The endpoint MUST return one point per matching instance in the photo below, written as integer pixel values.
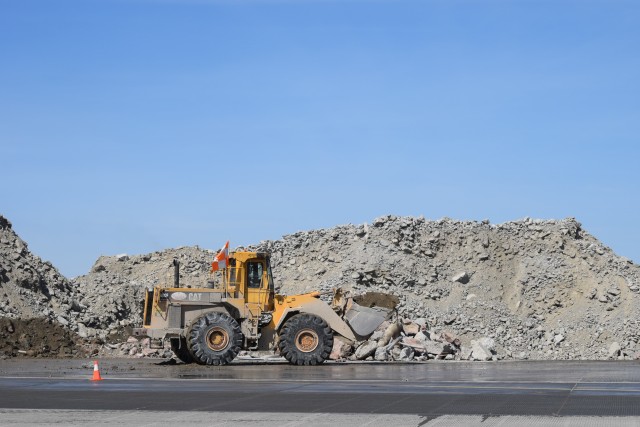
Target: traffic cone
(96, 372)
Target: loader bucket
(368, 311)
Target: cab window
(254, 274)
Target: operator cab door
(258, 284)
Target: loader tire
(306, 339)
(214, 339)
(179, 348)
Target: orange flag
(222, 259)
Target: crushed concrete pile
(31, 288)
(114, 288)
(528, 289)
(537, 289)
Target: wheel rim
(217, 338)
(307, 340)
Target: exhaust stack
(176, 273)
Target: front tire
(214, 339)
(306, 339)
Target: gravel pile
(114, 288)
(528, 289)
(38, 306)
(538, 289)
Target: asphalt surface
(426, 390)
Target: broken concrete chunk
(482, 349)
(433, 348)
(392, 332)
(421, 337)
(406, 354)
(381, 354)
(341, 349)
(614, 350)
(366, 349)
(462, 277)
(410, 328)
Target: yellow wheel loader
(212, 324)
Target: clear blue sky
(137, 125)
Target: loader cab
(250, 274)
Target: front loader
(212, 324)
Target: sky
(131, 126)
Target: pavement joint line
(566, 399)
(234, 380)
(443, 384)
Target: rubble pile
(405, 340)
(527, 289)
(114, 288)
(31, 288)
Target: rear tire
(214, 339)
(306, 339)
(180, 350)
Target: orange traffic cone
(96, 372)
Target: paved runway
(426, 392)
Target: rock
(122, 257)
(62, 321)
(381, 354)
(97, 268)
(433, 348)
(614, 350)
(413, 343)
(377, 335)
(341, 349)
(558, 339)
(424, 324)
(421, 337)
(410, 328)
(378, 222)
(392, 332)
(465, 353)
(406, 354)
(461, 277)
(482, 349)
(450, 338)
(82, 331)
(451, 319)
(366, 349)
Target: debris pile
(114, 288)
(402, 340)
(527, 289)
(38, 305)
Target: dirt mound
(37, 338)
